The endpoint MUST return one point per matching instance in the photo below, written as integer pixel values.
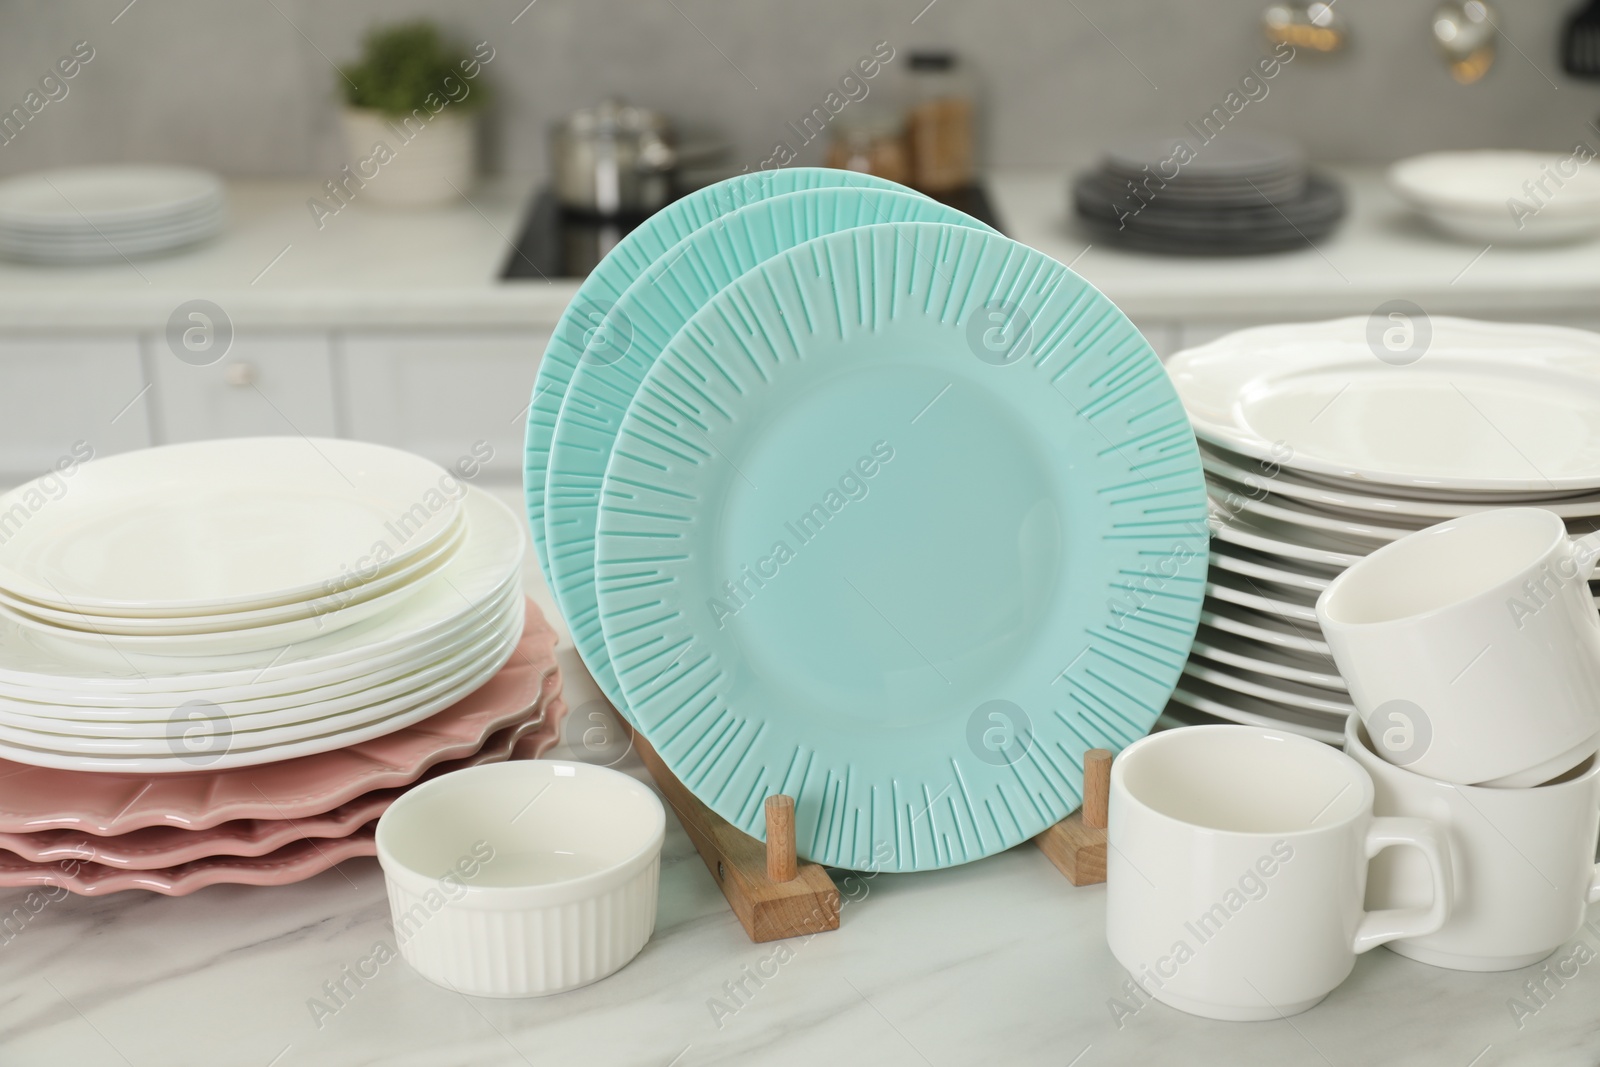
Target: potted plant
(409, 130)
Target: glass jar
(940, 127)
(870, 141)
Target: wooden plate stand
(775, 896)
(1077, 844)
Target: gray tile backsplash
(246, 86)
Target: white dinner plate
(208, 216)
(165, 740)
(1248, 710)
(1257, 657)
(408, 710)
(1452, 404)
(1268, 629)
(1250, 564)
(1260, 596)
(266, 709)
(1275, 538)
(221, 525)
(108, 249)
(323, 615)
(74, 223)
(103, 194)
(311, 713)
(1297, 514)
(1397, 508)
(479, 574)
(1471, 194)
(97, 704)
(1297, 547)
(320, 618)
(1273, 690)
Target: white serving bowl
(522, 879)
(1503, 197)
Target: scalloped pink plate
(41, 798)
(154, 847)
(291, 863)
(304, 855)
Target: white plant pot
(421, 160)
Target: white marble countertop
(996, 962)
(371, 266)
(273, 266)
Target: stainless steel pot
(613, 159)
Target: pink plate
(41, 798)
(291, 863)
(154, 847)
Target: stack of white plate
(229, 603)
(1325, 441)
(104, 214)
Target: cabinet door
(438, 394)
(56, 392)
(266, 385)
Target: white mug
(1472, 648)
(1236, 864)
(1523, 859)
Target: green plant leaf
(404, 65)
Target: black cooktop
(559, 244)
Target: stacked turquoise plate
(846, 496)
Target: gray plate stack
(1236, 194)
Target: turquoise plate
(640, 324)
(577, 327)
(901, 523)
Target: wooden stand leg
(773, 895)
(1077, 844)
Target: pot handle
(1389, 924)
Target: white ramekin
(522, 879)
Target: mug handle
(1594, 878)
(1391, 924)
(1585, 554)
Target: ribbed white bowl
(479, 898)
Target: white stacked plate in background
(1503, 197)
(83, 215)
(231, 603)
(1325, 441)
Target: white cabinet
(440, 393)
(56, 392)
(266, 385)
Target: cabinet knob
(240, 374)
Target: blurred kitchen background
(246, 87)
(421, 324)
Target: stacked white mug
(1472, 653)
